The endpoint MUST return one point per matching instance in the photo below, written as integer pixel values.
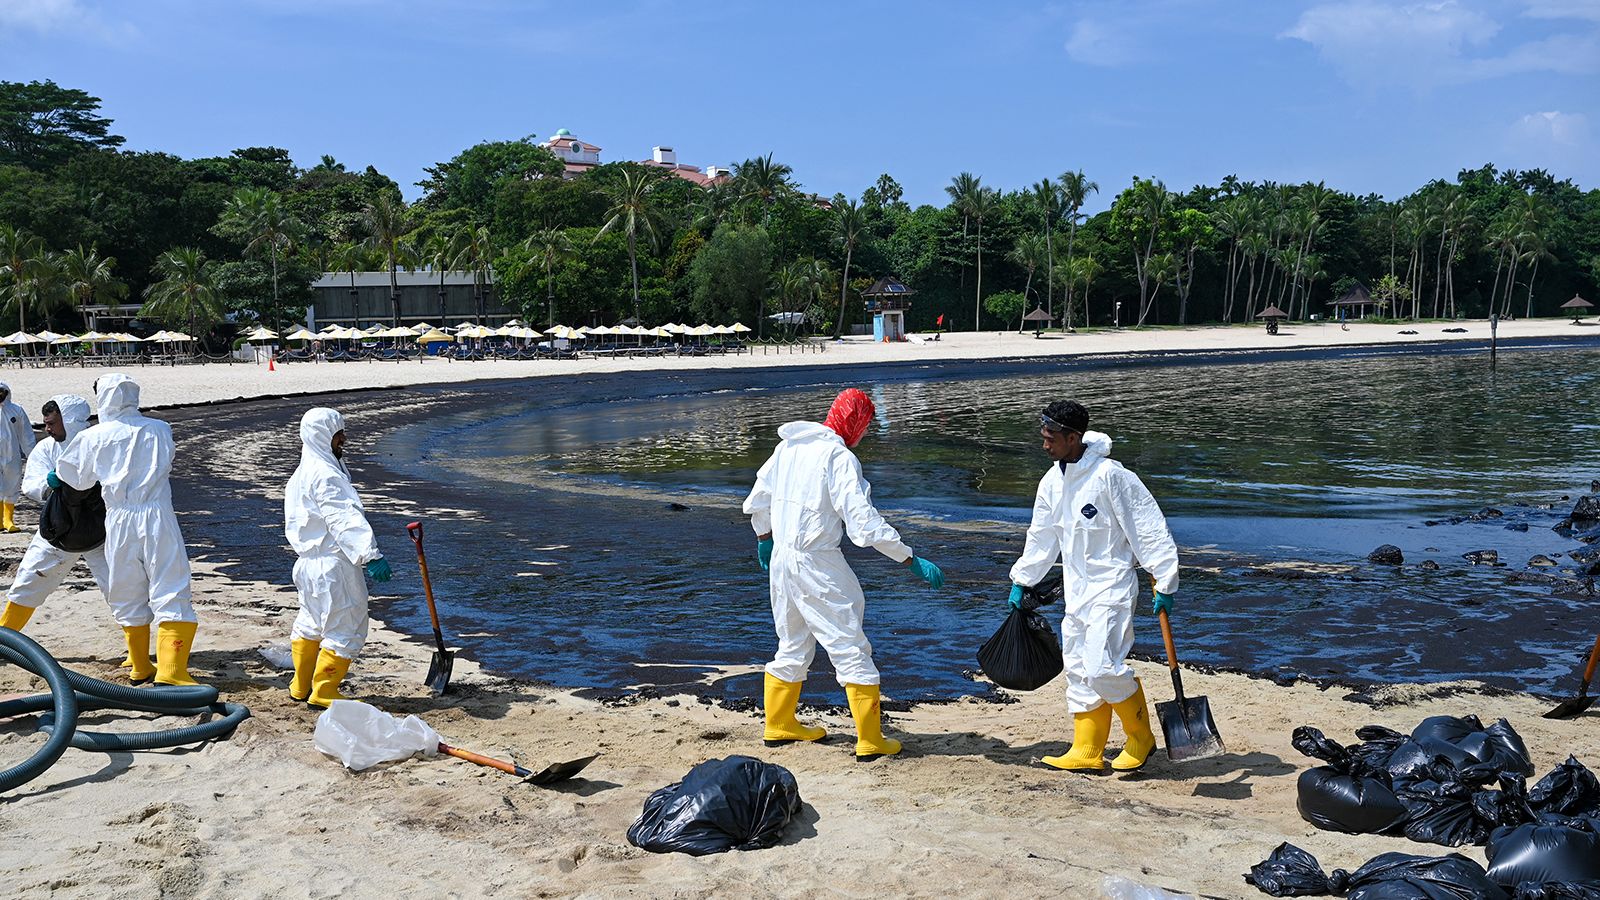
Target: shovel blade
(438, 680)
(1189, 730)
(1570, 709)
(561, 771)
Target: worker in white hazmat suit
(44, 566)
(327, 527)
(16, 441)
(806, 497)
(1097, 519)
(130, 455)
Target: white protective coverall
(327, 526)
(44, 567)
(16, 441)
(1099, 520)
(808, 495)
(130, 455)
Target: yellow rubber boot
(1088, 750)
(1135, 715)
(15, 617)
(174, 640)
(865, 709)
(782, 697)
(137, 637)
(304, 653)
(331, 669)
(8, 518)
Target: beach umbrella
(423, 328)
(433, 336)
(659, 332)
(21, 337)
(304, 335)
(1577, 304)
(526, 333)
(260, 334)
(722, 329)
(47, 336)
(1272, 312)
(788, 318)
(673, 328)
(1038, 315)
(701, 330)
(740, 328)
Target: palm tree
(960, 190)
(1150, 201)
(384, 221)
(351, 257)
(847, 227)
(981, 204)
(43, 286)
(1030, 253)
(476, 255)
(270, 229)
(17, 248)
(713, 204)
(186, 292)
(1047, 196)
(633, 213)
(88, 276)
(1160, 268)
(1082, 271)
(1075, 190)
(443, 250)
(549, 246)
(762, 181)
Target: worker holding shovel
(327, 527)
(1098, 519)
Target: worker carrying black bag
(1025, 653)
(73, 520)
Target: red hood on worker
(850, 415)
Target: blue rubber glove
(1016, 596)
(378, 570)
(53, 481)
(1163, 603)
(929, 572)
(764, 554)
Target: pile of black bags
(738, 803)
(1452, 781)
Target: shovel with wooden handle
(438, 679)
(550, 774)
(1186, 722)
(1569, 709)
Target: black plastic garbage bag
(738, 803)
(1292, 872)
(1540, 853)
(1289, 872)
(1454, 813)
(1377, 745)
(1355, 804)
(1425, 758)
(1024, 655)
(1344, 795)
(1570, 790)
(1498, 745)
(73, 520)
(1558, 890)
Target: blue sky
(1368, 95)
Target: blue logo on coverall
(1089, 511)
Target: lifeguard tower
(887, 300)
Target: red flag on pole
(939, 321)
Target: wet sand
(965, 811)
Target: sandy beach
(164, 386)
(965, 811)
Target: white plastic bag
(1115, 887)
(277, 653)
(361, 735)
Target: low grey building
(364, 299)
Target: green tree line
(195, 241)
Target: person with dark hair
(810, 494)
(44, 566)
(1099, 521)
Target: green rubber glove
(929, 572)
(764, 554)
(1163, 603)
(53, 481)
(1016, 596)
(378, 570)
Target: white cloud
(1423, 45)
(1554, 127)
(46, 16)
(1095, 43)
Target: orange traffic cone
(271, 365)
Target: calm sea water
(1278, 478)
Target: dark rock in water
(1517, 526)
(1387, 555)
(1432, 522)
(1482, 557)
(1594, 486)
(677, 507)
(1584, 554)
(1428, 565)
(1431, 549)
(1541, 561)
(1488, 512)
(1587, 509)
